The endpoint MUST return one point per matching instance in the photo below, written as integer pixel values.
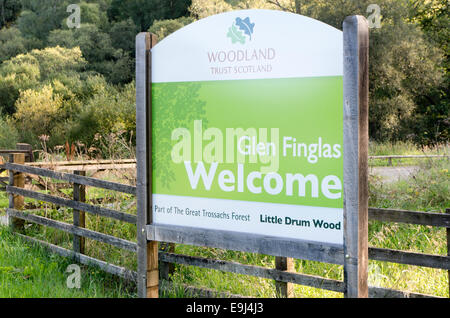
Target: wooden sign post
(147, 280)
(356, 138)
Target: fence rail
(120, 216)
(72, 178)
(390, 157)
(408, 156)
(411, 217)
(83, 259)
(96, 165)
(379, 254)
(72, 229)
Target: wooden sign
(252, 136)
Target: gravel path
(392, 174)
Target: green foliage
(111, 110)
(92, 13)
(409, 75)
(12, 43)
(123, 35)
(9, 135)
(9, 11)
(14, 77)
(204, 8)
(162, 28)
(30, 271)
(98, 50)
(49, 94)
(95, 45)
(431, 122)
(34, 69)
(144, 12)
(39, 17)
(403, 68)
(37, 110)
(434, 18)
(427, 190)
(54, 60)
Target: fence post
(16, 179)
(29, 157)
(283, 289)
(147, 272)
(79, 217)
(356, 138)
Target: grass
(29, 271)
(3, 200)
(428, 190)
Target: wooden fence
(284, 273)
(17, 216)
(25, 149)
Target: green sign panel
(247, 124)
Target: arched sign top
(249, 44)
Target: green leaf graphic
(174, 105)
(235, 35)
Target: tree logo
(240, 30)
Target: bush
(37, 111)
(9, 135)
(110, 112)
(34, 70)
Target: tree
(98, 50)
(39, 17)
(34, 69)
(204, 8)
(123, 35)
(91, 13)
(110, 110)
(11, 43)
(15, 75)
(144, 12)
(95, 44)
(54, 60)
(431, 122)
(9, 135)
(37, 110)
(433, 16)
(162, 28)
(9, 11)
